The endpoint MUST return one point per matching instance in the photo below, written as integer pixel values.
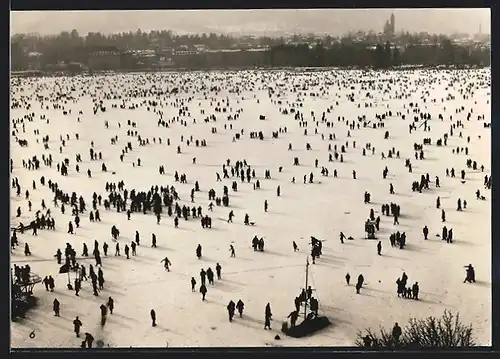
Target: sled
(305, 328)
(251, 223)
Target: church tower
(393, 24)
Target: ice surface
(322, 209)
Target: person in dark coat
(293, 317)
(89, 339)
(203, 276)
(166, 264)
(104, 312)
(218, 270)
(193, 284)
(210, 276)
(359, 284)
(426, 232)
(56, 306)
(77, 324)
(347, 278)
(268, 317)
(295, 246)
(415, 289)
(153, 317)
(230, 310)
(396, 332)
(240, 306)
(111, 305)
(203, 291)
(198, 251)
(379, 248)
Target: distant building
(390, 27)
(34, 61)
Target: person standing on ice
(443, 216)
(268, 316)
(176, 222)
(231, 249)
(230, 310)
(133, 246)
(127, 250)
(425, 231)
(193, 284)
(230, 217)
(203, 291)
(240, 306)
(153, 317)
(360, 282)
(137, 239)
(347, 278)
(265, 205)
(198, 251)
(295, 247)
(77, 324)
(56, 307)
(396, 332)
(210, 276)
(104, 311)
(203, 276)
(117, 249)
(438, 202)
(218, 270)
(153, 241)
(379, 248)
(111, 305)
(293, 318)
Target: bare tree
(445, 332)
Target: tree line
(405, 49)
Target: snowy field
(322, 209)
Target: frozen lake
(321, 209)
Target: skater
(231, 249)
(193, 284)
(379, 248)
(166, 264)
(347, 278)
(295, 247)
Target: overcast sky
(255, 22)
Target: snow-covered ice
(322, 209)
